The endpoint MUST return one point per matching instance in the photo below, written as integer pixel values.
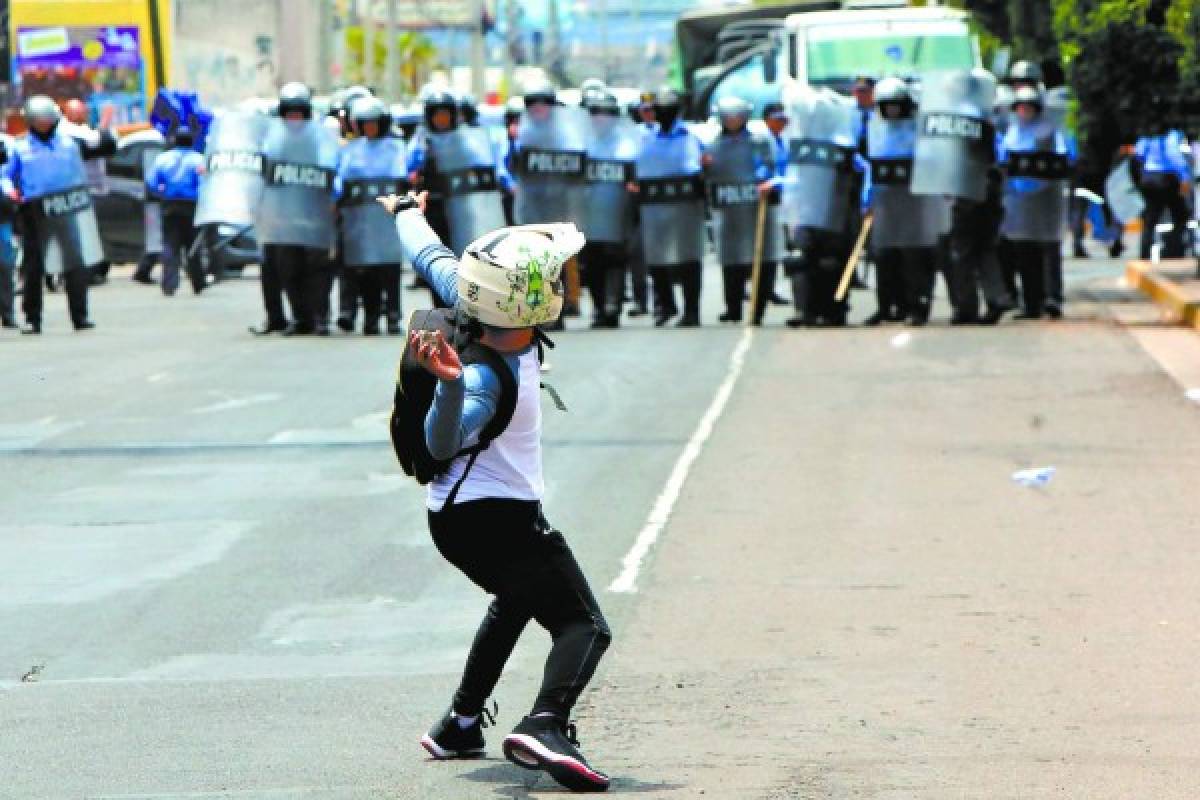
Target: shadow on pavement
(521, 783)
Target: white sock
(465, 722)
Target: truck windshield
(838, 53)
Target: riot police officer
(741, 171)
(295, 220)
(373, 164)
(8, 260)
(512, 121)
(612, 150)
(440, 116)
(1037, 164)
(174, 181)
(45, 175)
(820, 192)
(906, 226)
(1164, 179)
(670, 191)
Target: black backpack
(414, 396)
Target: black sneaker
(448, 739)
(545, 743)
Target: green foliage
(416, 57)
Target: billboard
(100, 65)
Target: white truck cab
(831, 48)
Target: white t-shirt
(511, 467)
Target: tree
(417, 57)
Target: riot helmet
(42, 115)
(295, 98)
(468, 109)
(441, 111)
(733, 113)
(370, 109)
(526, 259)
(602, 102)
(667, 107)
(1025, 73)
(894, 99)
(512, 110)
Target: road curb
(1162, 283)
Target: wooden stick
(756, 268)
(855, 255)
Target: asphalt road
(214, 582)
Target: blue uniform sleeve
(416, 159)
(154, 176)
(431, 259)
(1174, 156)
(461, 409)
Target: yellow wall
(25, 13)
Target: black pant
(815, 275)
(1161, 191)
(507, 549)
(365, 284)
(391, 295)
(974, 267)
(890, 291)
(734, 277)
(911, 272)
(1031, 261)
(33, 268)
(688, 276)
(604, 275)
(178, 235)
(304, 274)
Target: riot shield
(1058, 103)
(1122, 193)
(732, 189)
(902, 218)
(671, 197)
(820, 175)
(612, 151)
(371, 168)
(955, 143)
(464, 162)
(151, 208)
(550, 165)
(1035, 193)
(232, 185)
(67, 230)
(297, 200)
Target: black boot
(664, 295)
(734, 279)
(690, 279)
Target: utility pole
(478, 51)
(327, 33)
(368, 72)
(510, 39)
(554, 42)
(604, 55)
(391, 80)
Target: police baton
(756, 267)
(855, 255)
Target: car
(130, 227)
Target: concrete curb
(1161, 282)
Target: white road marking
(626, 582)
(231, 403)
(901, 340)
(156, 377)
